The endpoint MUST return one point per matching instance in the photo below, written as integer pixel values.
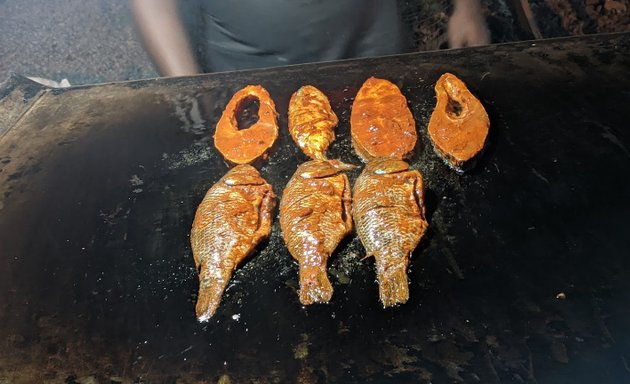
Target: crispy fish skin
(312, 121)
(243, 146)
(315, 215)
(459, 124)
(381, 123)
(389, 216)
(233, 218)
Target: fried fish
(312, 121)
(459, 124)
(389, 216)
(381, 123)
(243, 146)
(233, 218)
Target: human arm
(161, 28)
(467, 26)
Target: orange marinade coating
(459, 125)
(389, 216)
(312, 121)
(381, 123)
(232, 219)
(315, 215)
(243, 146)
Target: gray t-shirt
(242, 34)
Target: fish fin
(346, 204)
(264, 215)
(211, 290)
(314, 285)
(418, 193)
(321, 168)
(393, 287)
(387, 166)
(340, 165)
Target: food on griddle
(233, 218)
(459, 124)
(389, 216)
(315, 215)
(243, 146)
(381, 123)
(312, 121)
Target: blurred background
(93, 41)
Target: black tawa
(523, 276)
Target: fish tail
(314, 285)
(393, 287)
(211, 287)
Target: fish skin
(232, 219)
(312, 121)
(389, 217)
(315, 215)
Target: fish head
(386, 166)
(243, 175)
(316, 169)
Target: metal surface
(99, 184)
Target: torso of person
(266, 33)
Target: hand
(467, 26)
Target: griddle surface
(99, 186)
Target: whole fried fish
(312, 121)
(233, 218)
(315, 215)
(459, 124)
(389, 216)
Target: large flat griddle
(99, 185)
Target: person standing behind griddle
(265, 33)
